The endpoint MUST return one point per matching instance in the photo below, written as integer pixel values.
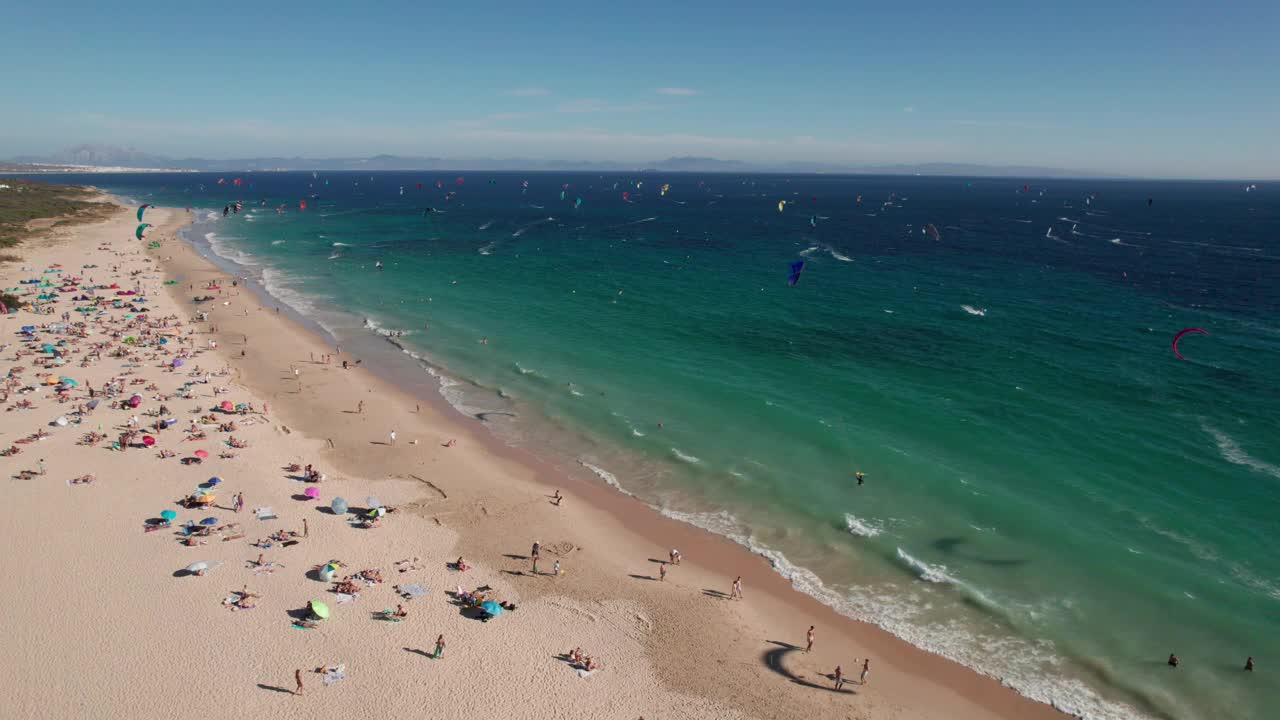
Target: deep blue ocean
(1051, 495)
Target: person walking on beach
(439, 648)
(41, 466)
(866, 670)
(808, 646)
(675, 556)
(238, 505)
(662, 573)
(360, 408)
(736, 592)
(304, 527)
(838, 675)
(555, 568)
(393, 438)
(297, 675)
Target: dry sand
(100, 621)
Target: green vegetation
(24, 202)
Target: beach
(108, 624)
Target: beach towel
(344, 598)
(411, 590)
(335, 674)
(265, 513)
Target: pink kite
(1179, 334)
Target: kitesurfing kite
(1179, 334)
(665, 188)
(138, 233)
(931, 231)
(302, 204)
(782, 204)
(797, 267)
(577, 203)
(142, 210)
(813, 221)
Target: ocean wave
(860, 527)
(487, 249)
(683, 456)
(981, 312)
(278, 242)
(605, 475)
(486, 226)
(226, 251)
(925, 571)
(277, 286)
(1231, 451)
(527, 371)
(1016, 662)
(530, 226)
(339, 244)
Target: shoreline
(643, 522)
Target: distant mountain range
(106, 156)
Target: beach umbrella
(61, 421)
(201, 454)
(177, 362)
(214, 480)
(68, 381)
(373, 501)
(319, 609)
(327, 572)
(135, 401)
(46, 348)
(198, 566)
(148, 440)
(491, 607)
(312, 492)
(168, 514)
(209, 521)
(338, 506)
(226, 405)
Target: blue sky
(1165, 89)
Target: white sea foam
(277, 242)
(488, 249)
(526, 371)
(860, 527)
(683, 456)
(486, 226)
(226, 251)
(925, 571)
(1015, 662)
(338, 244)
(981, 312)
(530, 226)
(838, 256)
(1233, 453)
(212, 216)
(604, 475)
(277, 284)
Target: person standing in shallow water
(1248, 664)
(1173, 660)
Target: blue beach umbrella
(338, 506)
(168, 514)
(209, 521)
(214, 480)
(491, 607)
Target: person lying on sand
(461, 565)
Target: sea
(1050, 494)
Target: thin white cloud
(528, 92)
(909, 109)
(595, 105)
(678, 91)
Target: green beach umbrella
(319, 609)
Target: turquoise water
(1052, 497)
